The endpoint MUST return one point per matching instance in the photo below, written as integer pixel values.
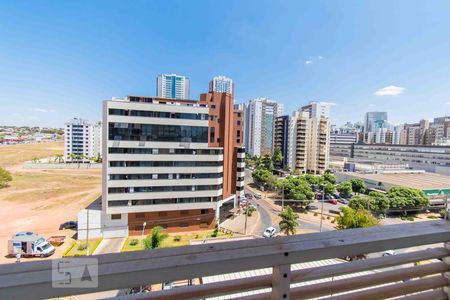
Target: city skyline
(388, 59)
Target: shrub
(134, 242)
(196, 236)
(442, 213)
(316, 214)
(177, 238)
(328, 217)
(82, 247)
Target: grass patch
(173, 240)
(78, 248)
(17, 154)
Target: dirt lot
(40, 200)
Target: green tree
(345, 188)
(296, 189)
(261, 175)
(35, 159)
(277, 157)
(59, 158)
(382, 202)
(358, 186)
(329, 188)
(351, 218)
(311, 179)
(288, 223)
(72, 156)
(154, 239)
(407, 198)
(327, 177)
(267, 163)
(5, 178)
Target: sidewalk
(237, 224)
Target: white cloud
(448, 102)
(43, 110)
(313, 59)
(372, 105)
(391, 90)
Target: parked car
(269, 232)
(249, 196)
(311, 207)
(319, 196)
(167, 285)
(332, 201)
(258, 196)
(336, 196)
(389, 253)
(342, 200)
(68, 225)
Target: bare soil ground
(40, 200)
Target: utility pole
(245, 226)
(282, 198)
(87, 233)
(321, 209)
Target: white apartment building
(313, 144)
(221, 84)
(82, 140)
(172, 86)
(259, 125)
(317, 109)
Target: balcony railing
(383, 277)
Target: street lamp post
(321, 209)
(143, 228)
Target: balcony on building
(307, 266)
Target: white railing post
(281, 280)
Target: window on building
(239, 133)
(116, 216)
(140, 215)
(212, 134)
(213, 106)
(239, 122)
(184, 212)
(204, 211)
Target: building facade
(317, 109)
(374, 120)
(170, 163)
(172, 86)
(260, 116)
(82, 140)
(428, 158)
(221, 84)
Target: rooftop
(421, 181)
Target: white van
(29, 244)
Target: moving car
(269, 232)
(389, 253)
(68, 225)
(258, 196)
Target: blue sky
(60, 59)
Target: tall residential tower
(172, 86)
(221, 84)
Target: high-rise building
(417, 133)
(281, 140)
(313, 144)
(221, 84)
(82, 140)
(172, 86)
(260, 118)
(317, 109)
(374, 120)
(399, 135)
(178, 163)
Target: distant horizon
(62, 59)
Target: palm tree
(288, 223)
(80, 158)
(72, 156)
(34, 159)
(59, 158)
